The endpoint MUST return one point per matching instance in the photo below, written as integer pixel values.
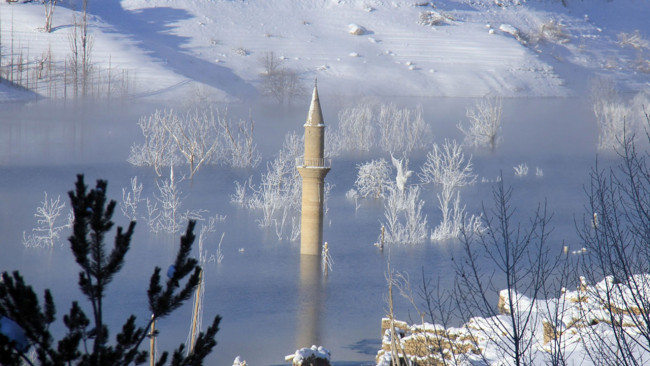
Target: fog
(272, 300)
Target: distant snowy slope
(458, 48)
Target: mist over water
(272, 300)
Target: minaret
(313, 167)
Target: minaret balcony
(301, 162)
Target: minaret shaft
(313, 170)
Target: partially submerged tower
(313, 167)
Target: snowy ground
(183, 48)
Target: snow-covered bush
(447, 168)
(513, 31)
(634, 39)
(553, 31)
(433, 18)
(373, 178)
(313, 356)
(48, 231)
(484, 124)
(521, 170)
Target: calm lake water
(272, 300)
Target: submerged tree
(87, 339)
(446, 167)
(484, 124)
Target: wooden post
(195, 318)
(152, 343)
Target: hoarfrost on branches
(446, 167)
(356, 130)
(391, 129)
(168, 218)
(48, 231)
(484, 124)
(373, 179)
(401, 130)
(240, 148)
(403, 213)
(131, 199)
(158, 150)
(278, 194)
(199, 136)
(196, 136)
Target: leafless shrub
(433, 18)
(634, 39)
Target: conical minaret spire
(315, 116)
(313, 167)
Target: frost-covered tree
(405, 222)
(612, 114)
(484, 124)
(48, 231)
(164, 214)
(195, 134)
(131, 199)
(401, 129)
(373, 178)
(158, 149)
(239, 145)
(278, 194)
(356, 130)
(447, 168)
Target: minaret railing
(313, 162)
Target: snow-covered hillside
(180, 48)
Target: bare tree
(81, 45)
(616, 233)
(279, 82)
(517, 260)
(484, 124)
(50, 5)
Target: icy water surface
(272, 300)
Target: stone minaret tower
(313, 167)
